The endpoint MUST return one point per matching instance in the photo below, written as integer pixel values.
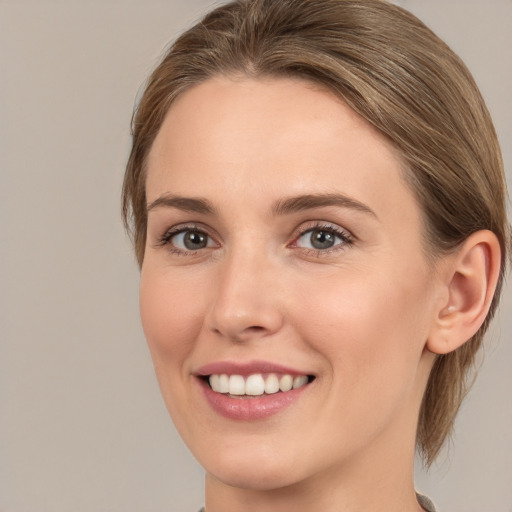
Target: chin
(257, 469)
(253, 478)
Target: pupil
(322, 239)
(194, 240)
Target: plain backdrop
(82, 424)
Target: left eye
(191, 240)
(320, 239)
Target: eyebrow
(281, 207)
(187, 204)
(310, 201)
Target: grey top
(425, 502)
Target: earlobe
(470, 276)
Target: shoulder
(425, 502)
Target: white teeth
(214, 382)
(271, 384)
(286, 383)
(223, 384)
(255, 384)
(236, 385)
(298, 382)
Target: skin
(358, 316)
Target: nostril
(243, 320)
(255, 329)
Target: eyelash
(345, 236)
(165, 240)
(347, 239)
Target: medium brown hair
(399, 76)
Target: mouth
(255, 385)
(253, 390)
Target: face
(284, 250)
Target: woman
(317, 201)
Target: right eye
(188, 240)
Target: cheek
(370, 326)
(170, 318)
(374, 347)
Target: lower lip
(253, 408)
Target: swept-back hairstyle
(399, 76)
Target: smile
(252, 390)
(256, 384)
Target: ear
(469, 278)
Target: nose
(246, 302)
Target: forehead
(257, 109)
(253, 138)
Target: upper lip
(246, 368)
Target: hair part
(395, 73)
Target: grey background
(82, 424)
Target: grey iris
(194, 240)
(322, 239)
